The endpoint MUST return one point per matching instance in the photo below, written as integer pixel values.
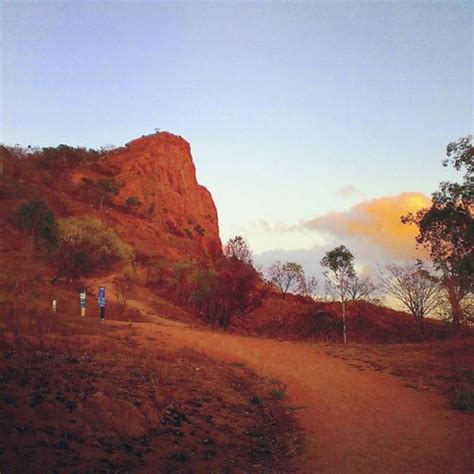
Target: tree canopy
(87, 246)
(446, 229)
(238, 248)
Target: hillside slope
(155, 203)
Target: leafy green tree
(87, 247)
(340, 271)
(285, 276)
(37, 221)
(446, 229)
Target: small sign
(102, 296)
(82, 298)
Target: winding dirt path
(355, 422)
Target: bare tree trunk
(419, 321)
(455, 296)
(344, 329)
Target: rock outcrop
(159, 186)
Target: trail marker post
(102, 302)
(82, 300)
(54, 306)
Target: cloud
(375, 223)
(346, 191)
(278, 228)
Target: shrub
(87, 246)
(64, 156)
(199, 230)
(133, 201)
(224, 289)
(278, 394)
(99, 193)
(35, 219)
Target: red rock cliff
(158, 170)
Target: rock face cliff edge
(177, 216)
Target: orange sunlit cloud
(377, 222)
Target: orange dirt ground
(354, 421)
(112, 397)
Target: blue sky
(285, 104)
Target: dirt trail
(354, 421)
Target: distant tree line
(54, 159)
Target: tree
(224, 288)
(339, 263)
(106, 188)
(360, 287)
(64, 156)
(307, 286)
(238, 248)
(285, 276)
(414, 287)
(446, 229)
(99, 193)
(87, 246)
(37, 221)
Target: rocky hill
(158, 171)
(146, 191)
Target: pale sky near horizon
(307, 120)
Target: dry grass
(446, 367)
(80, 395)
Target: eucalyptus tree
(340, 271)
(446, 228)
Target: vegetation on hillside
(222, 285)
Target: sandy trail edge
(355, 422)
